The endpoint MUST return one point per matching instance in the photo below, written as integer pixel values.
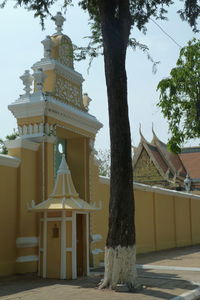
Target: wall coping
(155, 189)
(9, 161)
(22, 143)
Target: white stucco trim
(63, 247)
(9, 161)
(27, 258)
(155, 189)
(52, 64)
(56, 109)
(159, 190)
(27, 242)
(44, 271)
(22, 143)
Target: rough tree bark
(120, 245)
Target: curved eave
(59, 204)
(35, 105)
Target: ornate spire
(47, 43)
(59, 20)
(39, 77)
(27, 80)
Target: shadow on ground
(152, 285)
(174, 254)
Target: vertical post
(87, 244)
(74, 250)
(63, 247)
(45, 245)
(39, 246)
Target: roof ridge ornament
(59, 20)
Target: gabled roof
(187, 162)
(173, 160)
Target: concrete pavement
(162, 275)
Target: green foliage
(12, 136)
(103, 157)
(180, 96)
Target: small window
(55, 231)
(60, 148)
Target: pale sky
(21, 47)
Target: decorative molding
(69, 93)
(9, 161)
(22, 143)
(73, 116)
(37, 130)
(27, 242)
(48, 64)
(65, 53)
(56, 109)
(27, 258)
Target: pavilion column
(63, 246)
(45, 245)
(74, 250)
(87, 243)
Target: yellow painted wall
(27, 225)
(162, 220)
(183, 218)
(8, 219)
(144, 213)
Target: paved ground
(163, 275)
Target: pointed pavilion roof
(64, 196)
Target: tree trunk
(120, 245)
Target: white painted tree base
(119, 267)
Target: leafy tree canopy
(180, 96)
(139, 14)
(103, 157)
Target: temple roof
(187, 162)
(64, 196)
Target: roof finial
(63, 169)
(59, 20)
(140, 129)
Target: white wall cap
(27, 242)
(158, 190)
(9, 161)
(22, 143)
(27, 258)
(52, 64)
(58, 110)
